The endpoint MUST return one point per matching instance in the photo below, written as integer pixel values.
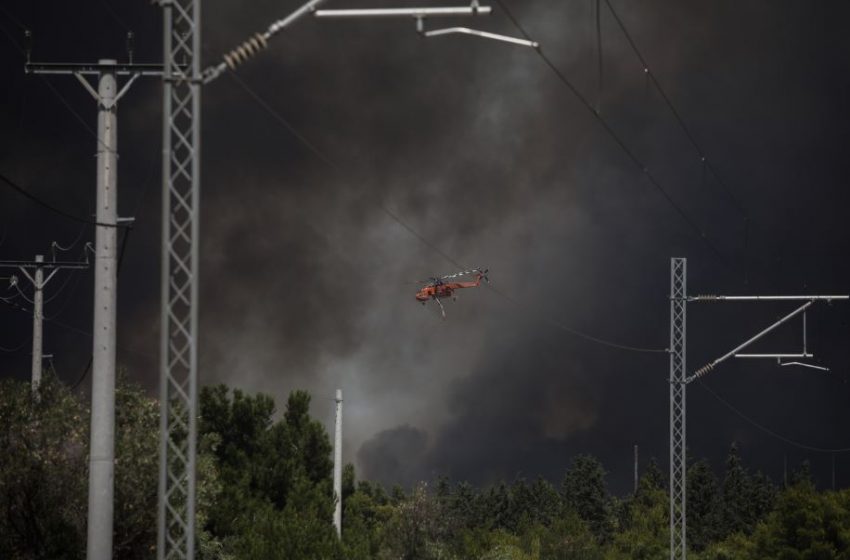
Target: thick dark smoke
(480, 149)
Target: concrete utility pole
(37, 319)
(102, 448)
(679, 379)
(338, 464)
(636, 469)
(102, 456)
(38, 282)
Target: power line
(22, 294)
(618, 140)
(766, 430)
(118, 19)
(313, 148)
(76, 275)
(25, 193)
(55, 245)
(14, 20)
(651, 75)
(583, 335)
(16, 348)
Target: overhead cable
(619, 141)
(25, 193)
(766, 430)
(669, 103)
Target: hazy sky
(475, 145)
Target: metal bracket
(483, 35)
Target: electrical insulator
(245, 51)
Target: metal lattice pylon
(178, 344)
(678, 384)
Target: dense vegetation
(265, 493)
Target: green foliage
(585, 493)
(264, 491)
(645, 534)
(745, 499)
(43, 471)
(806, 525)
(704, 509)
(274, 476)
(415, 528)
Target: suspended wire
(114, 15)
(581, 334)
(76, 275)
(768, 431)
(22, 294)
(13, 304)
(23, 192)
(16, 348)
(71, 274)
(12, 18)
(315, 150)
(619, 141)
(654, 80)
(55, 245)
(53, 89)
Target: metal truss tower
(179, 313)
(679, 379)
(182, 81)
(678, 385)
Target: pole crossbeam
(39, 282)
(404, 12)
(93, 68)
(45, 265)
(179, 281)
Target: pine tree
(704, 506)
(584, 492)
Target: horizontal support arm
(405, 12)
(43, 264)
(93, 69)
(775, 356)
(769, 298)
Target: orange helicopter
(437, 288)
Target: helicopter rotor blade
(462, 273)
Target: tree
(414, 531)
(584, 492)
(646, 534)
(43, 471)
(704, 513)
(275, 476)
(805, 525)
(652, 477)
(545, 502)
(737, 512)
